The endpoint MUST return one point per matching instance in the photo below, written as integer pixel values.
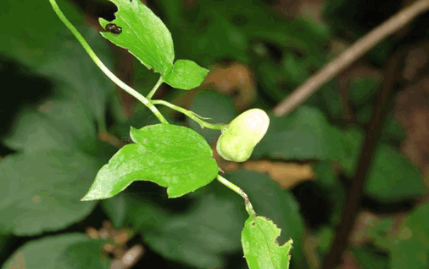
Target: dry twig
(362, 46)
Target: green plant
(172, 156)
(67, 121)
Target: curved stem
(235, 188)
(103, 68)
(154, 89)
(190, 114)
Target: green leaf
(198, 237)
(56, 124)
(329, 100)
(295, 70)
(325, 237)
(280, 206)
(173, 11)
(408, 255)
(363, 90)
(392, 132)
(411, 242)
(304, 134)
(391, 178)
(143, 34)
(85, 254)
(41, 190)
(61, 251)
(378, 231)
(211, 228)
(325, 175)
(43, 44)
(116, 208)
(260, 247)
(74, 73)
(134, 210)
(32, 131)
(7, 242)
(367, 258)
(415, 226)
(29, 39)
(185, 75)
(328, 181)
(171, 156)
(220, 39)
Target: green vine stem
(151, 103)
(190, 114)
(155, 88)
(235, 188)
(103, 68)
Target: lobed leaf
(271, 201)
(143, 34)
(171, 156)
(260, 247)
(185, 75)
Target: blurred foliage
(53, 147)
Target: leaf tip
(86, 198)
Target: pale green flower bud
(239, 138)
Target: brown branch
(362, 46)
(368, 149)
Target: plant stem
(367, 153)
(235, 188)
(152, 92)
(190, 114)
(103, 68)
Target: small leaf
(260, 247)
(270, 201)
(143, 34)
(185, 75)
(171, 156)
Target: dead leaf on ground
(287, 175)
(364, 222)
